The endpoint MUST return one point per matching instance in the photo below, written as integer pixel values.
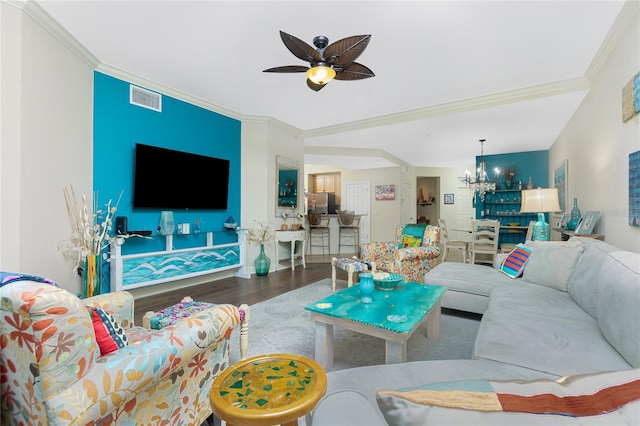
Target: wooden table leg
(333, 274)
(293, 251)
(324, 345)
(395, 352)
(433, 322)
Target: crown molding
(355, 152)
(519, 95)
(628, 16)
(164, 89)
(39, 15)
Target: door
(358, 198)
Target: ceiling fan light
(321, 74)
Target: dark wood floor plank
(237, 291)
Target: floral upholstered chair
(414, 252)
(66, 360)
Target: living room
(61, 127)
(39, 160)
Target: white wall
(597, 143)
(262, 141)
(385, 215)
(47, 128)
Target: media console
(130, 271)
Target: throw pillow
(109, 336)
(576, 396)
(10, 277)
(551, 265)
(513, 265)
(409, 241)
(414, 231)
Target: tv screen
(169, 179)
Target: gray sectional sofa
(575, 311)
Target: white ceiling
(448, 73)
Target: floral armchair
(52, 370)
(412, 262)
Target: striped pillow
(575, 396)
(513, 265)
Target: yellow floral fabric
(412, 262)
(51, 371)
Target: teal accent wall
(534, 164)
(181, 126)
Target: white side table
(292, 237)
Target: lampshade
(321, 74)
(540, 200)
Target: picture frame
(588, 222)
(385, 192)
(566, 217)
(448, 198)
(560, 175)
(634, 189)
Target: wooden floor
(237, 291)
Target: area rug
(282, 325)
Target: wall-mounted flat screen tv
(169, 179)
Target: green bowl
(389, 283)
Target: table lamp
(541, 201)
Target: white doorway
(357, 197)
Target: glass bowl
(389, 282)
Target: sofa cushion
(551, 265)
(513, 264)
(583, 287)
(467, 278)
(370, 379)
(578, 396)
(346, 407)
(548, 333)
(619, 303)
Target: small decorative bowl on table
(386, 281)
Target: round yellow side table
(268, 390)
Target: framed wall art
(448, 198)
(587, 223)
(634, 189)
(385, 192)
(560, 175)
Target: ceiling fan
(327, 61)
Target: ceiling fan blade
(314, 86)
(288, 68)
(347, 50)
(354, 71)
(300, 49)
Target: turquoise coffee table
(393, 316)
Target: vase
(507, 184)
(92, 276)
(262, 262)
(572, 224)
(366, 287)
(575, 211)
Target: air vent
(145, 98)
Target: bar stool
(319, 232)
(349, 231)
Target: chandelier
(479, 185)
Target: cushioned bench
(187, 307)
(350, 265)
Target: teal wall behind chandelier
(534, 164)
(119, 125)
